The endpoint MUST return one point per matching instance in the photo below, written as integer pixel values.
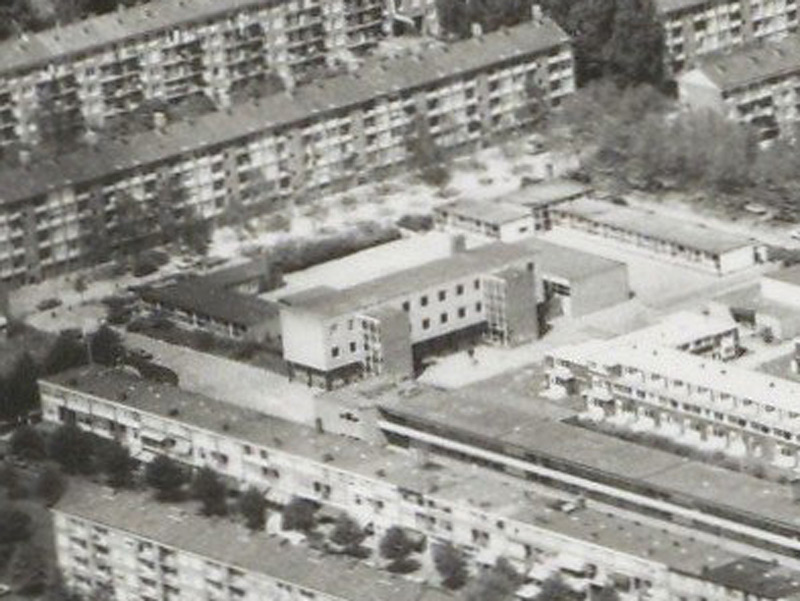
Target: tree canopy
(210, 491)
(253, 507)
(166, 476)
(451, 565)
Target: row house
(702, 403)
(313, 140)
(696, 28)
(489, 515)
(102, 69)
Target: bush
(27, 443)
(451, 565)
(253, 506)
(298, 515)
(49, 485)
(436, 175)
(167, 477)
(15, 526)
(396, 545)
(347, 533)
(210, 491)
(416, 223)
(407, 565)
(143, 267)
(72, 449)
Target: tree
(298, 514)
(347, 533)
(450, 564)
(496, 584)
(253, 506)
(22, 389)
(15, 526)
(49, 485)
(28, 570)
(116, 462)
(167, 477)
(396, 544)
(195, 232)
(66, 353)
(106, 347)
(71, 448)
(27, 443)
(210, 491)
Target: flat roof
(555, 260)
(376, 78)
(548, 192)
(198, 296)
(477, 261)
(442, 478)
(757, 577)
(182, 527)
(673, 331)
(656, 226)
(609, 457)
(752, 64)
(237, 274)
(488, 211)
(714, 375)
(790, 275)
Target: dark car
(49, 303)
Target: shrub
(49, 485)
(253, 506)
(167, 477)
(27, 443)
(298, 515)
(210, 491)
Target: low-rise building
(252, 277)
(194, 304)
(110, 542)
(492, 219)
(695, 28)
(389, 324)
(755, 86)
(489, 515)
(318, 139)
(661, 237)
(769, 308)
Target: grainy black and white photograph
(399, 300)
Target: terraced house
(316, 139)
(104, 68)
(694, 28)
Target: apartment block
(389, 324)
(694, 28)
(662, 238)
(489, 515)
(104, 68)
(759, 87)
(106, 544)
(311, 141)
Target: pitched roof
(375, 79)
(753, 64)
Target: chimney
(458, 244)
(159, 120)
(477, 30)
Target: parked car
(49, 303)
(140, 353)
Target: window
(462, 312)
(423, 301)
(426, 323)
(352, 347)
(460, 289)
(406, 306)
(443, 318)
(478, 307)
(477, 284)
(335, 352)
(442, 295)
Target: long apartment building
(388, 324)
(104, 68)
(106, 544)
(695, 28)
(316, 139)
(759, 87)
(489, 515)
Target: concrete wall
(521, 307)
(304, 339)
(395, 341)
(780, 291)
(738, 259)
